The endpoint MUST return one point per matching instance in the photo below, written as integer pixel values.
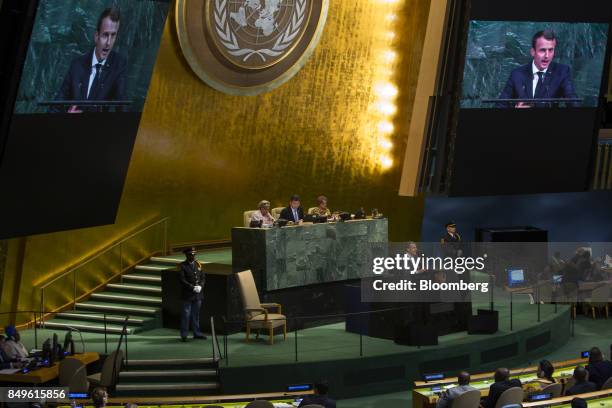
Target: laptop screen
(516, 276)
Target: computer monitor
(433, 377)
(542, 396)
(67, 343)
(299, 387)
(54, 352)
(516, 276)
(557, 278)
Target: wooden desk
(590, 396)
(46, 374)
(423, 396)
(230, 400)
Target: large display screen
(74, 116)
(531, 82)
(520, 64)
(91, 50)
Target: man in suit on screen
(541, 78)
(99, 74)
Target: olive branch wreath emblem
(230, 42)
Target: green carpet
(329, 342)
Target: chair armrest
(258, 309)
(278, 306)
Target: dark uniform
(191, 276)
(451, 244)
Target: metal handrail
(104, 251)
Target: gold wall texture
(338, 128)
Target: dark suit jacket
(496, 390)
(581, 388)
(191, 276)
(111, 86)
(323, 400)
(287, 213)
(557, 83)
(5, 361)
(451, 244)
(599, 372)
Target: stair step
(54, 324)
(162, 259)
(166, 373)
(168, 386)
(100, 318)
(121, 297)
(134, 287)
(171, 361)
(127, 309)
(142, 278)
(156, 268)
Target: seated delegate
(13, 347)
(501, 384)
(599, 369)
(263, 214)
(545, 377)
(294, 211)
(581, 385)
(321, 209)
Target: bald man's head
(463, 378)
(580, 374)
(501, 374)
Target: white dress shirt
(92, 74)
(15, 350)
(536, 78)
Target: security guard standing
(451, 241)
(192, 293)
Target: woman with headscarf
(263, 214)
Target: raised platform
(346, 360)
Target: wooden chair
(511, 396)
(247, 217)
(73, 374)
(469, 399)
(598, 299)
(607, 385)
(110, 371)
(276, 212)
(256, 314)
(555, 389)
(568, 294)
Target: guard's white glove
(197, 289)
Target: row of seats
(597, 375)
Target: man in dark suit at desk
(599, 369)
(582, 385)
(541, 78)
(294, 212)
(319, 398)
(192, 293)
(99, 74)
(501, 384)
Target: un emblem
(246, 47)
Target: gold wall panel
(202, 157)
